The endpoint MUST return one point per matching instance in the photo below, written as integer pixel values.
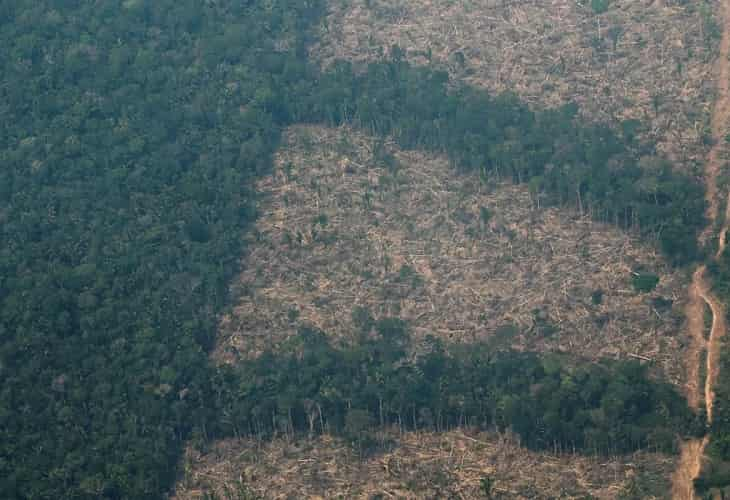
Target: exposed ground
(688, 468)
(691, 459)
(640, 59)
(337, 230)
(421, 466)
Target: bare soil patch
(688, 468)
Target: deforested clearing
(417, 465)
(620, 60)
(457, 258)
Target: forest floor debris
(645, 60)
(454, 464)
(462, 261)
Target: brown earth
(688, 468)
(719, 328)
(716, 165)
(695, 325)
(716, 160)
(690, 463)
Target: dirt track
(690, 464)
(692, 453)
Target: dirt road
(692, 451)
(700, 292)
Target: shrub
(645, 282)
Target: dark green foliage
(599, 6)
(596, 408)
(711, 29)
(130, 136)
(644, 282)
(662, 303)
(486, 487)
(358, 428)
(363, 319)
(130, 133)
(485, 215)
(408, 275)
(321, 219)
(716, 475)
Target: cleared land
(422, 465)
(456, 259)
(645, 60)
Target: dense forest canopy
(130, 134)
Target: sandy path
(719, 328)
(692, 452)
(690, 464)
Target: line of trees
(550, 401)
(601, 171)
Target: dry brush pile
(645, 60)
(421, 465)
(455, 258)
